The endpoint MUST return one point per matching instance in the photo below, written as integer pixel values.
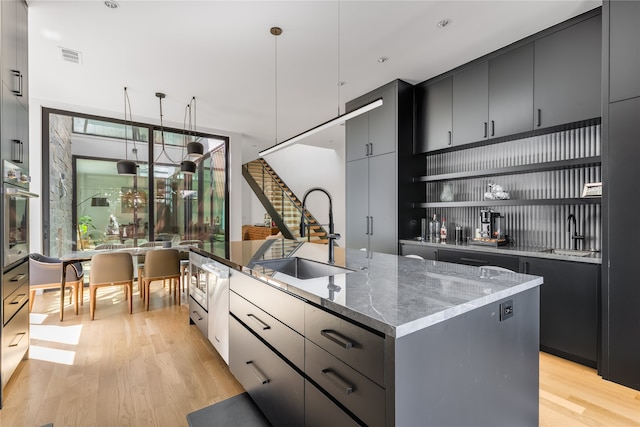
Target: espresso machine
(491, 225)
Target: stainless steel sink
(302, 268)
(569, 252)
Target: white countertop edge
(441, 316)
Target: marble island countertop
(392, 294)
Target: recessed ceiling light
(111, 4)
(443, 23)
(383, 59)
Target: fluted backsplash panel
(534, 225)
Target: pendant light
(341, 118)
(195, 149)
(126, 166)
(186, 166)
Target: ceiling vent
(70, 55)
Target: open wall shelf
(489, 203)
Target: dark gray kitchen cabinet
(434, 120)
(624, 55)
(426, 252)
(621, 292)
(511, 92)
(371, 204)
(478, 259)
(569, 301)
(372, 133)
(471, 104)
(568, 74)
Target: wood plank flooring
(153, 368)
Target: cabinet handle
(16, 74)
(17, 277)
(371, 226)
(18, 299)
(21, 152)
(337, 338)
(371, 148)
(485, 129)
(477, 261)
(198, 314)
(525, 267)
(449, 138)
(16, 340)
(259, 375)
(493, 128)
(539, 117)
(367, 220)
(15, 152)
(337, 381)
(259, 322)
(366, 150)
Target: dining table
(86, 255)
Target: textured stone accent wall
(61, 186)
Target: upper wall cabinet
(568, 74)
(511, 92)
(471, 104)
(433, 105)
(624, 38)
(15, 47)
(373, 133)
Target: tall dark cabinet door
(357, 136)
(357, 204)
(568, 74)
(624, 55)
(433, 116)
(471, 104)
(624, 202)
(382, 122)
(511, 92)
(383, 205)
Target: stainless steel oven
(15, 187)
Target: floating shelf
(540, 202)
(514, 170)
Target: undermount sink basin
(302, 268)
(570, 252)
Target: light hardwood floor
(153, 368)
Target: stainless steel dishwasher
(209, 300)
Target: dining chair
(160, 264)
(111, 269)
(184, 260)
(45, 273)
(140, 260)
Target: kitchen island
(388, 341)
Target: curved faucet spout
(332, 235)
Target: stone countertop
(515, 250)
(392, 294)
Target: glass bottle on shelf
(443, 230)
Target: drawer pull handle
(18, 277)
(16, 340)
(259, 375)
(198, 314)
(478, 261)
(337, 381)
(18, 299)
(263, 325)
(342, 341)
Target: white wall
(302, 167)
(35, 168)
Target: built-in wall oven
(15, 187)
(209, 300)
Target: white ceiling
(222, 53)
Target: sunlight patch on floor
(64, 357)
(58, 334)
(37, 318)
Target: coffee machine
(491, 225)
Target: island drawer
(13, 302)
(361, 349)
(285, 340)
(14, 279)
(352, 389)
(284, 307)
(320, 411)
(15, 343)
(274, 386)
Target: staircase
(284, 207)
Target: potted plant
(85, 223)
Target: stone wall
(61, 185)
